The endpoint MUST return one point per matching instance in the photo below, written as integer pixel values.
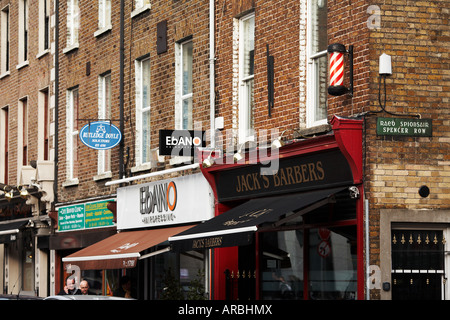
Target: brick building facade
(27, 114)
(270, 72)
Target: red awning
(121, 250)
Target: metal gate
(240, 284)
(418, 264)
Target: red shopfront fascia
(342, 144)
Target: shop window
(27, 250)
(332, 264)
(317, 63)
(418, 264)
(178, 276)
(324, 258)
(282, 273)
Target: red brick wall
(24, 82)
(184, 19)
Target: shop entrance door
(418, 265)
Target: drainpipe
(56, 146)
(212, 95)
(121, 97)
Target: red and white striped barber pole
(336, 69)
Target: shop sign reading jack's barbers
(166, 202)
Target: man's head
(84, 287)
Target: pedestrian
(84, 288)
(125, 289)
(69, 288)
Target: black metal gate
(240, 284)
(418, 264)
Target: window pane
(319, 25)
(146, 136)
(145, 84)
(282, 265)
(321, 88)
(187, 114)
(187, 68)
(250, 104)
(248, 45)
(75, 109)
(332, 264)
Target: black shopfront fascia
(299, 185)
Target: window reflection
(332, 264)
(330, 267)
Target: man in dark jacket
(69, 288)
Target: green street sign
(71, 217)
(404, 127)
(85, 216)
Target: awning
(237, 226)
(122, 250)
(9, 230)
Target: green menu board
(84, 216)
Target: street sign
(404, 127)
(100, 135)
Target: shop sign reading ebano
(158, 202)
(165, 202)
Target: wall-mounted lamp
(336, 69)
(8, 194)
(238, 155)
(23, 192)
(278, 142)
(209, 161)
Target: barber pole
(336, 69)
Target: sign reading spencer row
(100, 135)
(167, 202)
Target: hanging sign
(172, 142)
(404, 127)
(100, 135)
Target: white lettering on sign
(125, 246)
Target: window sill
(142, 167)
(70, 183)
(140, 10)
(180, 160)
(316, 129)
(3, 75)
(101, 31)
(22, 64)
(103, 176)
(43, 53)
(71, 48)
